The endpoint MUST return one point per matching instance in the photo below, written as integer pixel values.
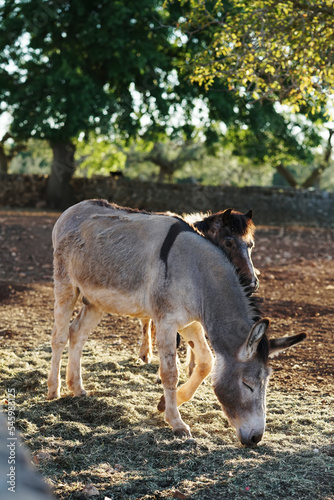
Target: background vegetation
(185, 91)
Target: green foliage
(255, 130)
(98, 156)
(35, 159)
(196, 164)
(67, 67)
(222, 166)
(94, 70)
(271, 136)
(225, 168)
(266, 48)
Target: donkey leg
(145, 352)
(169, 377)
(80, 328)
(194, 335)
(153, 333)
(65, 299)
(190, 365)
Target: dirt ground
(296, 268)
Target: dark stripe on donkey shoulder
(175, 229)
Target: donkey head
(240, 381)
(233, 232)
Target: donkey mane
(238, 223)
(106, 204)
(254, 302)
(187, 225)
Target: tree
(230, 50)
(266, 136)
(275, 49)
(35, 158)
(8, 150)
(75, 68)
(167, 156)
(67, 69)
(98, 155)
(314, 177)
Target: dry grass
(116, 440)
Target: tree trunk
(59, 192)
(4, 161)
(314, 178)
(284, 172)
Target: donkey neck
(227, 313)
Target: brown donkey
(233, 233)
(159, 267)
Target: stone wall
(22, 190)
(272, 206)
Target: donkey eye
(228, 243)
(248, 386)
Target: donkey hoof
(182, 433)
(53, 395)
(145, 356)
(162, 404)
(80, 393)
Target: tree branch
(314, 176)
(287, 175)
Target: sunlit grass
(116, 439)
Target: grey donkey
(159, 267)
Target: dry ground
(115, 439)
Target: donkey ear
(226, 216)
(248, 349)
(278, 345)
(249, 214)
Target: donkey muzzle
(250, 438)
(254, 286)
